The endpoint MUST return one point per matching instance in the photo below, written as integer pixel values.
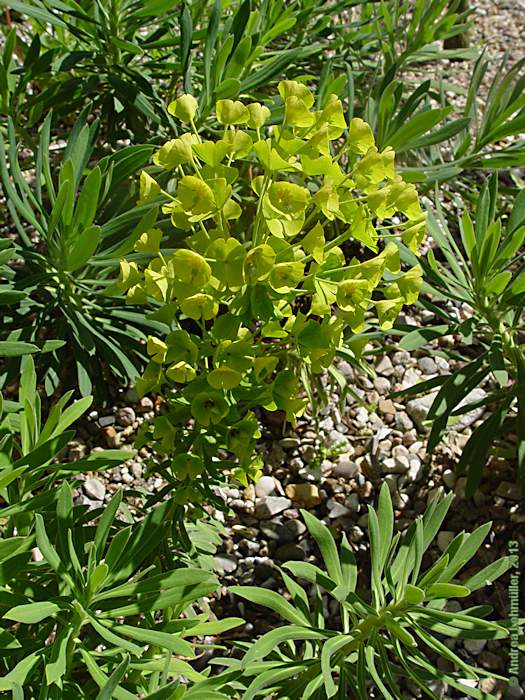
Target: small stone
(491, 661)
(418, 409)
(306, 495)
(289, 443)
(105, 421)
(345, 468)
(111, 437)
(308, 453)
(471, 417)
(444, 538)
(366, 489)
(475, 646)
(94, 488)
(265, 486)
(415, 470)
(295, 527)
(352, 502)
(410, 378)
(403, 422)
(385, 366)
(427, 365)
(270, 506)
(125, 416)
(381, 385)
(508, 491)
(76, 450)
(337, 510)
(488, 685)
(145, 405)
(391, 481)
(449, 478)
(225, 563)
(290, 552)
(386, 406)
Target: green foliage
(72, 227)
(96, 609)
(260, 288)
(380, 640)
(31, 447)
(486, 271)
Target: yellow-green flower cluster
(271, 217)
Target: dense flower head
(264, 282)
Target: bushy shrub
(382, 639)
(484, 272)
(264, 278)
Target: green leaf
(446, 590)
(326, 544)
(83, 248)
(271, 640)
(32, 612)
(107, 691)
(273, 601)
(10, 348)
(56, 666)
(154, 638)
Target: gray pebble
(126, 416)
(272, 505)
(94, 488)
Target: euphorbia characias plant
(265, 280)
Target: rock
(345, 468)
(145, 405)
(488, 685)
(467, 419)
(449, 478)
(125, 416)
(474, 646)
(105, 421)
(290, 552)
(352, 502)
(402, 422)
(391, 480)
(265, 486)
(387, 407)
(410, 378)
(111, 437)
(289, 443)
(401, 456)
(308, 453)
(382, 385)
(76, 450)
(401, 357)
(491, 661)
(415, 470)
(270, 506)
(94, 488)
(337, 510)
(427, 365)
(306, 495)
(275, 531)
(418, 409)
(508, 491)
(385, 366)
(225, 563)
(444, 538)
(295, 527)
